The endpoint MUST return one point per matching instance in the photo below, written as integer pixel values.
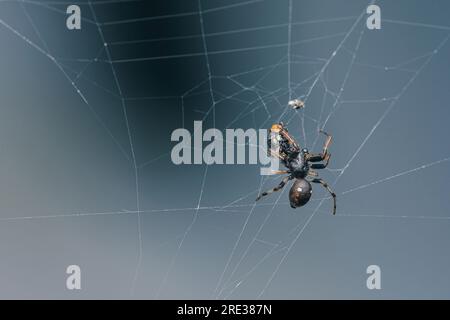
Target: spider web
(256, 97)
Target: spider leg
(327, 142)
(323, 183)
(280, 172)
(324, 156)
(322, 165)
(312, 173)
(277, 188)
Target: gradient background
(68, 172)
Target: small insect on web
(296, 104)
(300, 165)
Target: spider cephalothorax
(300, 165)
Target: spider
(297, 161)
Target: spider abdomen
(300, 193)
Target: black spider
(297, 161)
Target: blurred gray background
(86, 176)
